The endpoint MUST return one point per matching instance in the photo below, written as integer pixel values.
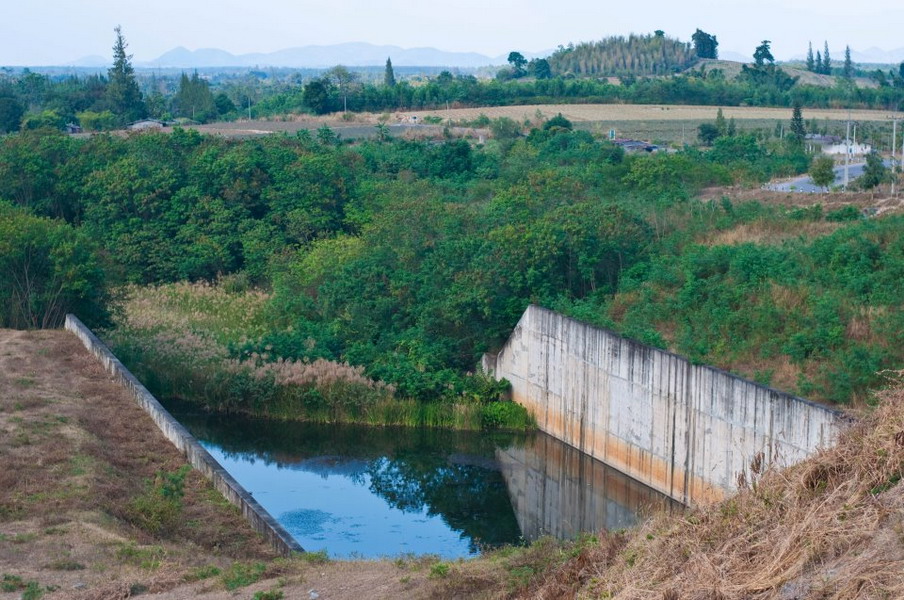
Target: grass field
(658, 123)
(648, 112)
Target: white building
(835, 146)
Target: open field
(648, 112)
(665, 124)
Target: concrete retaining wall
(195, 454)
(686, 430)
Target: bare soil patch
(76, 456)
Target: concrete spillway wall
(685, 430)
(195, 454)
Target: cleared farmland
(663, 123)
(648, 112)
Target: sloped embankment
(96, 504)
(831, 527)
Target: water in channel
(368, 492)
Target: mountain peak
(354, 54)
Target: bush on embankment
(179, 340)
(47, 268)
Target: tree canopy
(705, 45)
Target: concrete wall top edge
(779, 394)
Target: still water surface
(370, 492)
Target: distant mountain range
(353, 54)
(361, 54)
(868, 56)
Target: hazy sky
(45, 32)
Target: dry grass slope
(77, 458)
(831, 527)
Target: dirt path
(80, 510)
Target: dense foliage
(649, 71)
(655, 54)
(48, 269)
(413, 258)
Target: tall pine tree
(798, 129)
(811, 64)
(848, 69)
(389, 75)
(122, 95)
(826, 61)
(194, 100)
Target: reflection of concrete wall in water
(685, 430)
(558, 490)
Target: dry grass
(878, 201)
(831, 527)
(644, 112)
(76, 450)
(771, 233)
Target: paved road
(804, 184)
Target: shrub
(241, 575)
(159, 508)
(49, 269)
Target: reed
(175, 338)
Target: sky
(57, 32)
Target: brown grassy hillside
(829, 528)
(80, 517)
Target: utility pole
(894, 142)
(847, 152)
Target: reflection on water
(558, 490)
(370, 491)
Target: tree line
(645, 66)
(552, 216)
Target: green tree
(798, 129)
(389, 79)
(122, 94)
(707, 132)
(822, 171)
(721, 124)
(46, 119)
(518, 62)
(11, 111)
(539, 68)
(874, 173)
(344, 80)
(558, 121)
(96, 121)
(705, 44)
(316, 95)
(49, 269)
(193, 99)
(848, 69)
(826, 60)
(762, 54)
(818, 67)
(224, 104)
(811, 63)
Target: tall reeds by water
(177, 339)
